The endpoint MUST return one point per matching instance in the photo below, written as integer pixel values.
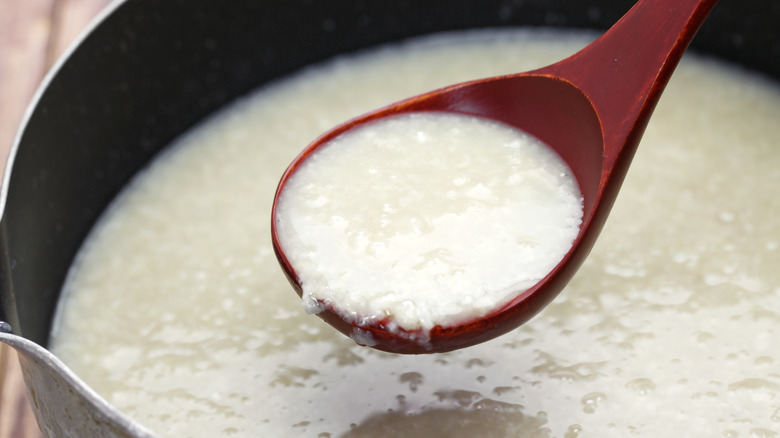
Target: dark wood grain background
(33, 34)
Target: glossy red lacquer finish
(592, 108)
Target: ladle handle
(624, 72)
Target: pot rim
(41, 90)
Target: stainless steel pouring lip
(64, 405)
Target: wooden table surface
(33, 34)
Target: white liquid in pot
(177, 311)
(427, 219)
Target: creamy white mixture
(177, 311)
(426, 219)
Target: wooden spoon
(592, 108)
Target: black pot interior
(152, 69)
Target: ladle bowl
(591, 108)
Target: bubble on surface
(640, 386)
(591, 401)
(573, 431)
(754, 385)
(762, 433)
(414, 380)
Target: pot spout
(64, 406)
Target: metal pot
(149, 70)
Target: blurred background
(33, 35)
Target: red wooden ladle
(592, 108)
